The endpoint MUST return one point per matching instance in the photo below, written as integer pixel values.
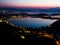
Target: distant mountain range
(49, 10)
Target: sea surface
(31, 22)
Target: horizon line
(25, 7)
(29, 6)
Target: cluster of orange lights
(45, 35)
(57, 42)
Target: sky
(30, 3)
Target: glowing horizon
(30, 3)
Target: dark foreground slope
(9, 37)
(56, 27)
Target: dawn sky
(30, 3)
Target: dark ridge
(56, 24)
(55, 28)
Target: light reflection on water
(31, 22)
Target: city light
(22, 37)
(0, 20)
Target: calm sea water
(31, 22)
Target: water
(31, 22)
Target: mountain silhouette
(57, 9)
